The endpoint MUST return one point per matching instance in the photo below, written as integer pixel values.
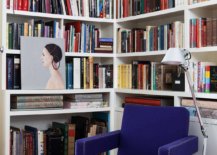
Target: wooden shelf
(59, 111)
(154, 15)
(205, 120)
(102, 55)
(205, 4)
(138, 54)
(148, 92)
(73, 54)
(203, 49)
(57, 16)
(68, 91)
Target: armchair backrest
(146, 128)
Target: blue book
(162, 37)
(106, 40)
(69, 76)
(93, 38)
(10, 72)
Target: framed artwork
(42, 63)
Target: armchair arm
(97, 144)
(184, 146)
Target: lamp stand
(205, 136)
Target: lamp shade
(174, 56)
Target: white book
(40, 143)
(74, 8)
(165, 37)
(86, 8)
(77, 73)
(63, 6)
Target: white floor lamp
(181, 57)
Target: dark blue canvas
(146, 130)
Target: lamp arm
(197, 111)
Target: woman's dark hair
(56, 52)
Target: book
(81, 126)
(34, 132)
(213, 78)
(203, 103)
(149, 101)
(55, 141)
(64, 129)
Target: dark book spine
(134, 74)
(17, 77)
(213, 78)
(10, 73)
(82, 73)
(96, 76)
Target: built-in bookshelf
(142, 29)
(90, 22)
(131, 25)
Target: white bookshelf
(183, 13)
(42, 118)
(116, 96)
(57, 16)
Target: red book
(150, 101)
(77, 26)
(25, 5)
(8, 4)
(47, 6)
(19, 4)
(144, 101)
(68, 6)
(161, 4)
(125, 8)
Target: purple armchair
(145, 130)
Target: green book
(64, 129)
(142, 6)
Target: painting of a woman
(51, 57)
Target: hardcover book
(42, 63)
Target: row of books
(59, 139)
(203, 32)
(13, 77)
(196, 1)
(46, 102)
(83, 73)
(34, 28)
(86, 8)
(85, 101)
(127, 8)
(36, 102)
(149, 101)
(208, 108)
(146, 75)
(204, 76)
(85, 38)
(151, 38)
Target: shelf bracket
(2, 49)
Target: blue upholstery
(146, 130)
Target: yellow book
(91, 72)
(26, 27)
(85, 73)
(119, 76)
(130, 76)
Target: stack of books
(40, 102)
(105, 45)
(85, 101)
